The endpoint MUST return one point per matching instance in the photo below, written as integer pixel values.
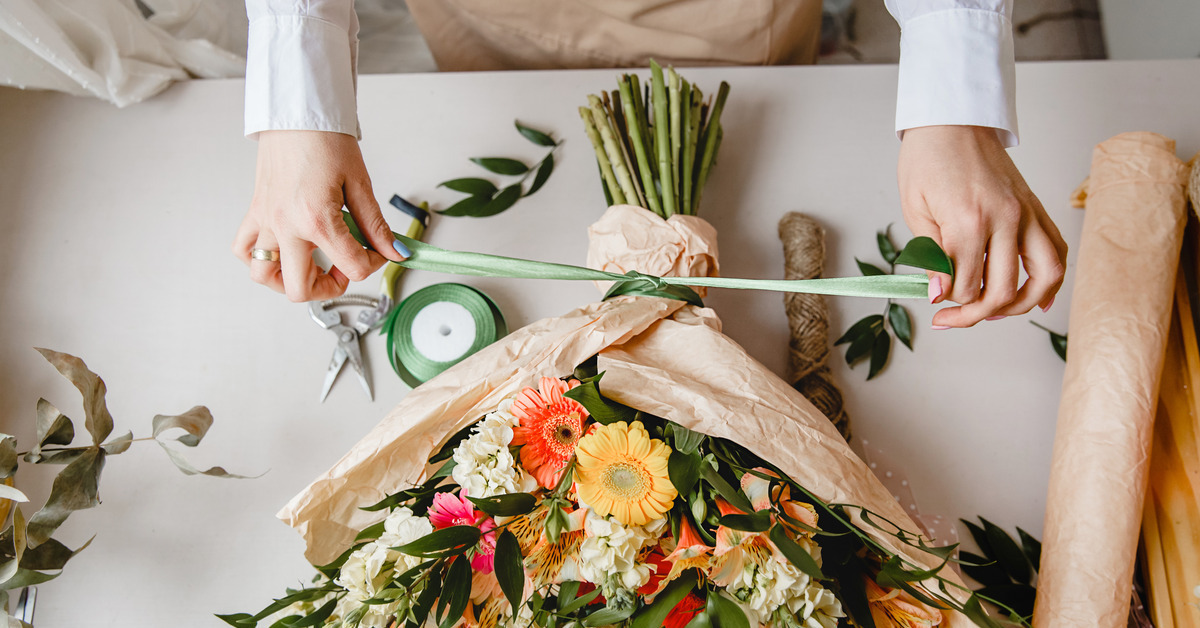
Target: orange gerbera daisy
(549, 426)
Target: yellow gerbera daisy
(621, 471)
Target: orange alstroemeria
(691, 552)
(736, 548)
(763, 497)
(893, 608)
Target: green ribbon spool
(437, 327)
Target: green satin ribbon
(413, 366)
(431, 258)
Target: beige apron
(472, 35)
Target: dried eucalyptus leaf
(98, 420)
(8, 492)
(7, 571)
(75, 488)
(26, 578)
(8, 456)
(53, 427)
(64, 456)
(195, 422)
(119, 444)
(186, 467)
(50, 555)
(20, 538)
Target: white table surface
(115, 229)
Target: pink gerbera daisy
(549, 426)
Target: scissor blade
(360, 368)
(335, 367)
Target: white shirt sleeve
(956, 65)
(302, 66)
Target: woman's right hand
(302, 181)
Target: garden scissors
(349, 347)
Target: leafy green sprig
(1057, 341)
(484, 198)
(870, 336)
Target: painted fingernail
(995, 318)
(401, 249)
(1050, 304)
(941, 327)
(935, 289)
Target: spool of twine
(808, 320)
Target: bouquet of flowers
(623, 464)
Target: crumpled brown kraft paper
(1120, 311)
(659, 356)
(631, 238)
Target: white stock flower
(611, 550)
(368, 568)
(777, 586)
(484, 465)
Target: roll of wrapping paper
(437, 327)
(1120, 313)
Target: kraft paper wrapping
(659, 356)
(631, 238)
(1120, 312)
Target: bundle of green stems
(655, 147)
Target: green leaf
(1018, 597)
(731, 495)
(725, 612)
(509, 570)
(456, 592)
(535, 136)
(501, 165)
(119, 444)
(922, 252)
(238, 620)
(701, 620)
(686, 441)
(1057, 341)
(452, 540)
(472, 186)
(580, 602)
(1007, 552)
(862, 346)
(795, 554)
(603, 410)
(508, 505)
(684, 471)
(901, 323)
(543, 174)
(433, 587)
(469, 206)
(870, 270)
(870, 323)
(502, 201)
(1032, 548)
(607, 616)
(984, 571)
(317, 617)
(75, 488)
(53, 427)
(640, 288)
(186, 467)
(556, 522)
(759, 521)
(97, 418)
(886, 248)
(980, 537)
(974, 611)
(879, 353)
(655, 615)
(195, 422)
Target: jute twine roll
(808, 319)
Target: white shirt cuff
(300, 75)
(957, 68)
